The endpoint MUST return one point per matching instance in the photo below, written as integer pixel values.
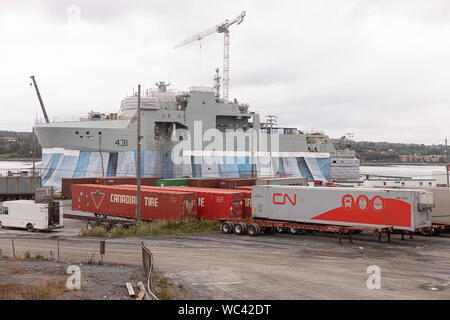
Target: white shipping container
(282, 181)
(400, 209)
(30, 215)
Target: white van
(30, 215)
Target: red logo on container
(363, 203)
(97, 197)
(377, 204)
(282, 201)
(348, 202)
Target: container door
(53, 213)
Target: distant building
(420, 158)
(9, 139)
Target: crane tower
(222, 27)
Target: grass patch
(155, 228)
(165, 290)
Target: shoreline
(401, 164)
(20, 159)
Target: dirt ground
(38, 279)
(229, 266)
(279, 266)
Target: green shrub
(154, 228)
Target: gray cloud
(377, 68)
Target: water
(419, 172)
(387, 170)
(7, 165)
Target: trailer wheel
(240, 228)
(118, 226)
(90, 225)
(253, 229)
(106, 226)
(429, 232)
(30, 227)
(293, 230)
(227, 227)
(280, 229)
(268, 230)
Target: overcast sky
(376, 68)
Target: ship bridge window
(164, 131)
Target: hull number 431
(121, 142)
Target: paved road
(279, 266)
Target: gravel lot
(278, 266)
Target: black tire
(240, 228)
(253, 230)
(118, 226)
(293, 230)
(268, 230)
(90, 225)
(227, 227)
(280, 229)
(106, 226)
(30, 227)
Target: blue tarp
(55, 166)
(290, 166)
(126, 166)
(82, 165)
(112, 164)
(244, 166)
(324, 165)
(196, 167)
(303, 167)
(64, 169)
(229, 168)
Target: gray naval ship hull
(193, 134)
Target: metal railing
(147, 263)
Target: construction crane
(220, 28)
(40, 99)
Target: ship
(193, 133)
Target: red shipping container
(204, 182)
(244, 188)
(120, 201)
(247, 197)
(145, 181)
(66, 185)
(233, 183)
(214, 204)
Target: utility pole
(138, 180)
(446, 161)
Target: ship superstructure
(105, 144)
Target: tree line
(20, 148)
